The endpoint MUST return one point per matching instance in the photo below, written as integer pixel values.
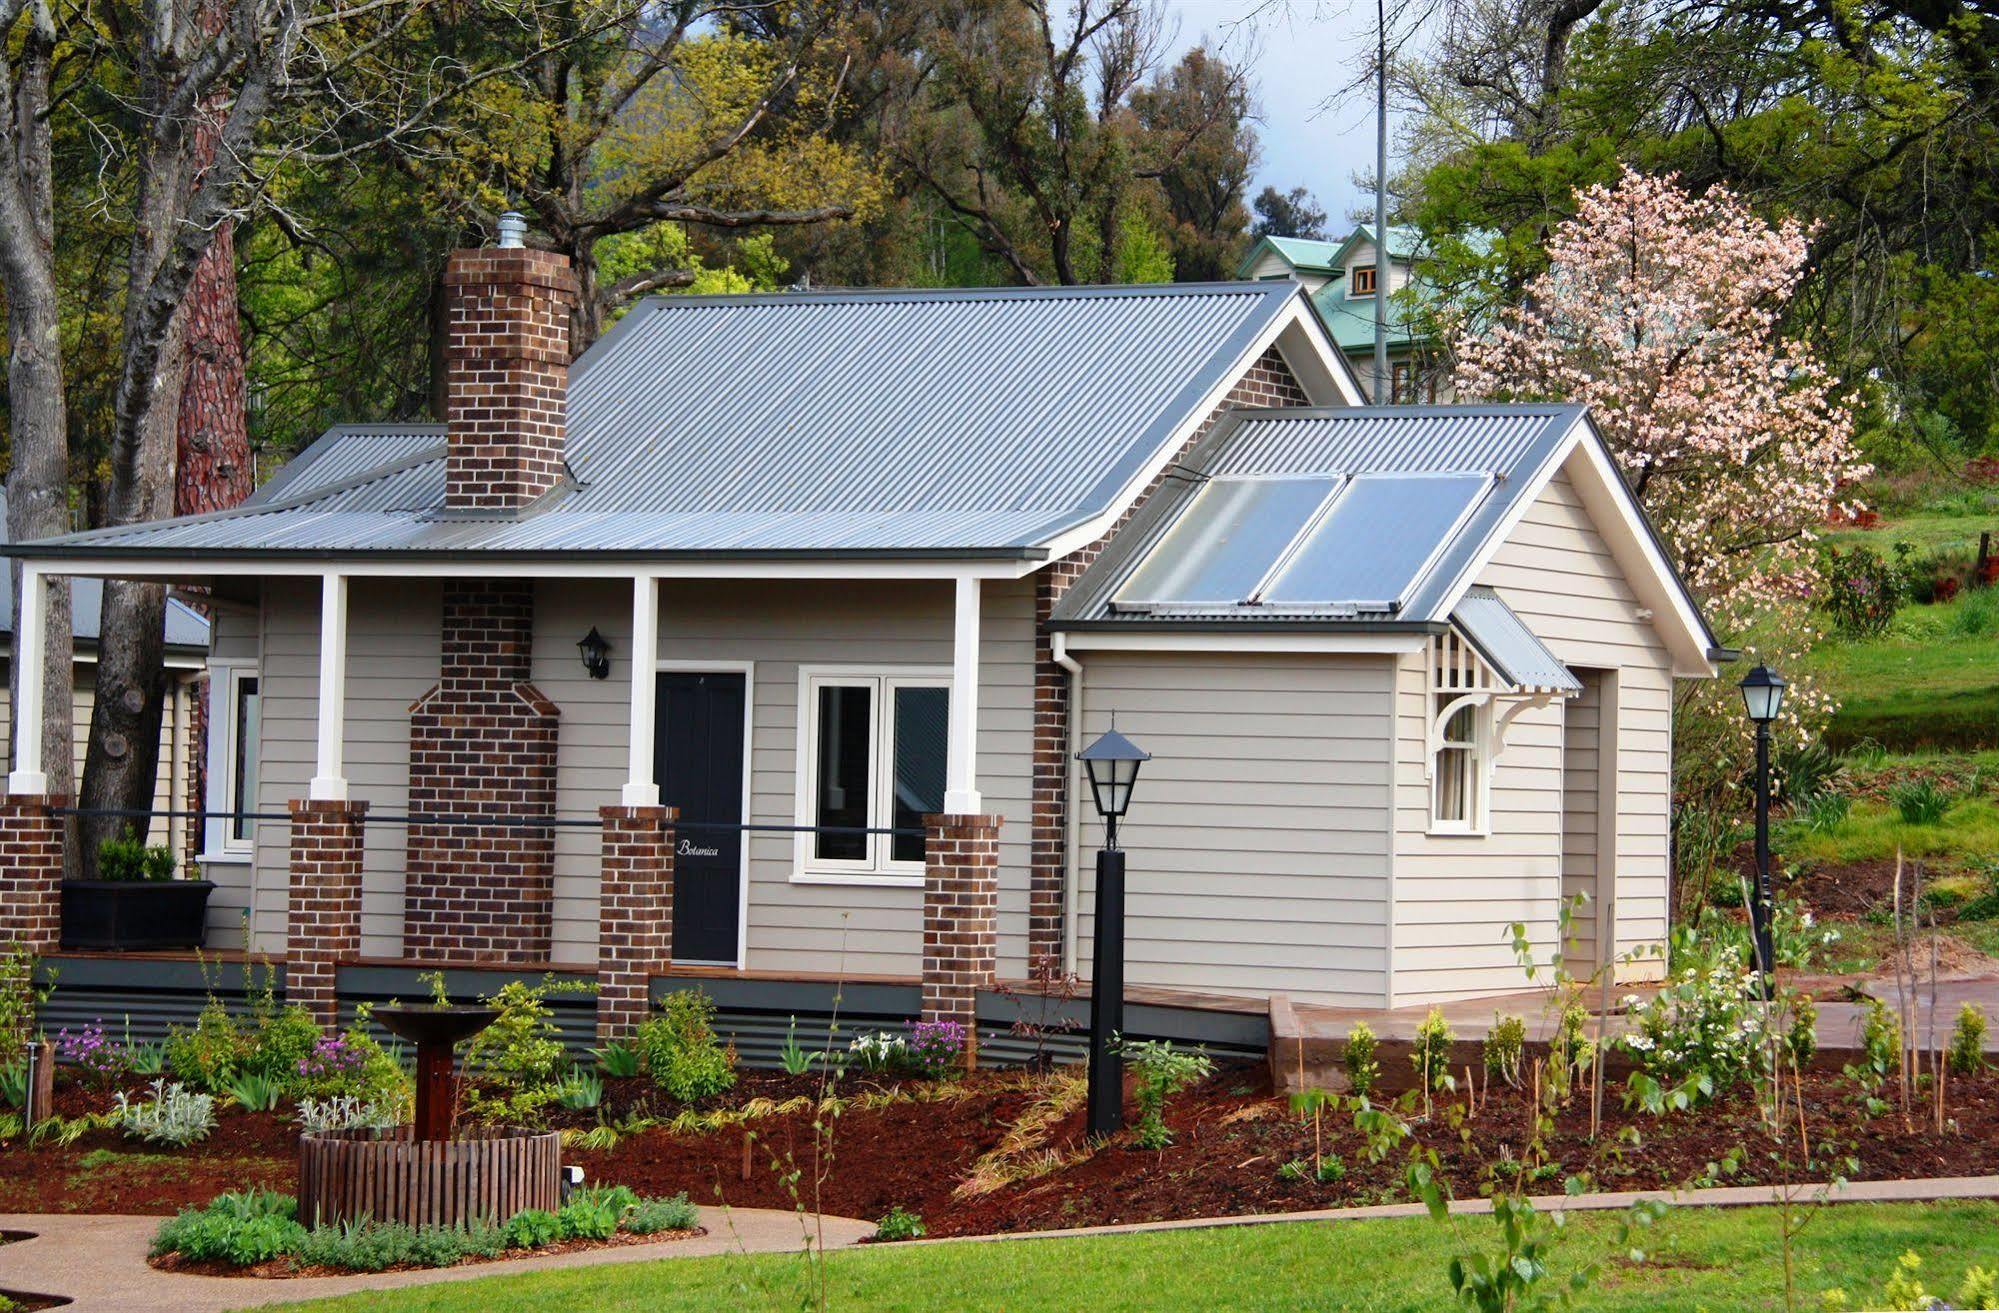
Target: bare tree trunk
(38, 482)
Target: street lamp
(1763, 698)
(1112, 762)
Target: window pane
(243, 786)
(1464, 723)
(1226, 540)
(922, 722)
(845, 746)
(1378, 536)
(1454, 785)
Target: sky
(1303, 56)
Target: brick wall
(506, 365)
(323, 927)
(1268, 382)
(31, 838)
(960, 919)
(482, 745)
(634, 914)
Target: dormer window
(1362, 280)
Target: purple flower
(91, 1049)
(936, 1045)
(332, 1055)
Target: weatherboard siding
(1456, 896)
(1258, 842)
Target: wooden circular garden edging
(488, 1174)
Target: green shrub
(1801, 1041)
(1431, 1055)
(898, 1223)
(1332, 1168)
(485, 1239)
(211, 1054)
(1920, 801)
(651, 1216)
(242, 1229)
(1358, 1059)
(129, 859)
(1163, 1070)
(584, 1219)
(616, 1060)
(1703, 839)
(1824, 813)
(519, 1059)
(175, 1116)
(254, 1093)
(678, 1048)
(1701, 1034)
(1805, 770)
(1880, 1042)
(532, 1228)
(279, 1043)
(580, 1091)
(1860, 591)
(1504, 1045)
(1967, 1041)
(437, 1246)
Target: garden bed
(285, 1269)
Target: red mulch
(1231, 1139)
(283, 1268)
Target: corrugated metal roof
(1506, 443)
(185, 626)
(985, 420)
(1508, 645)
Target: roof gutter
(1300, 626)
(59, 551)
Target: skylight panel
(1225, 542)
(1377, 541)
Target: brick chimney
(506, 365)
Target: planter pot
(118, 914)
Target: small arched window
(1457, 766)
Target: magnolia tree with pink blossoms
(1660, 311)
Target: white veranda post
(641, 788)
(961, 783)
(329, 777)
(27, 777)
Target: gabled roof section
(1302, 253)
(949, 423)
(1394, 512)
(1403, 243)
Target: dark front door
(699, 766)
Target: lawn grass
(1875, 831)
(1698, 1259)
(1932, 680)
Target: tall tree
(1195, 116)
(1294, 213)
(635, 114)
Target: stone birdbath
(435, 1029)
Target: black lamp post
(1763, 697)
(596, 652)
(1113, 763)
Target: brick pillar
(31, 870)
(634, 914)
(324, 924)
(960, 919)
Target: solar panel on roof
(1373, 546)
(1226, 540)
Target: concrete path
(99, 1261)
(1731, 1196)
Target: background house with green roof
(1341, 277)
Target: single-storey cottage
(761, 639)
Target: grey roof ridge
(893, 295)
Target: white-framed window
(1458, 776)
(235, 725)
(872, 749)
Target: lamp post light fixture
(1763, 698)
(596, 654)
(1112, 762)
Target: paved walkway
(99, 1261)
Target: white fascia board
(1096, 640)
(1614, 510)
(584, 567)
(1296, 327)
